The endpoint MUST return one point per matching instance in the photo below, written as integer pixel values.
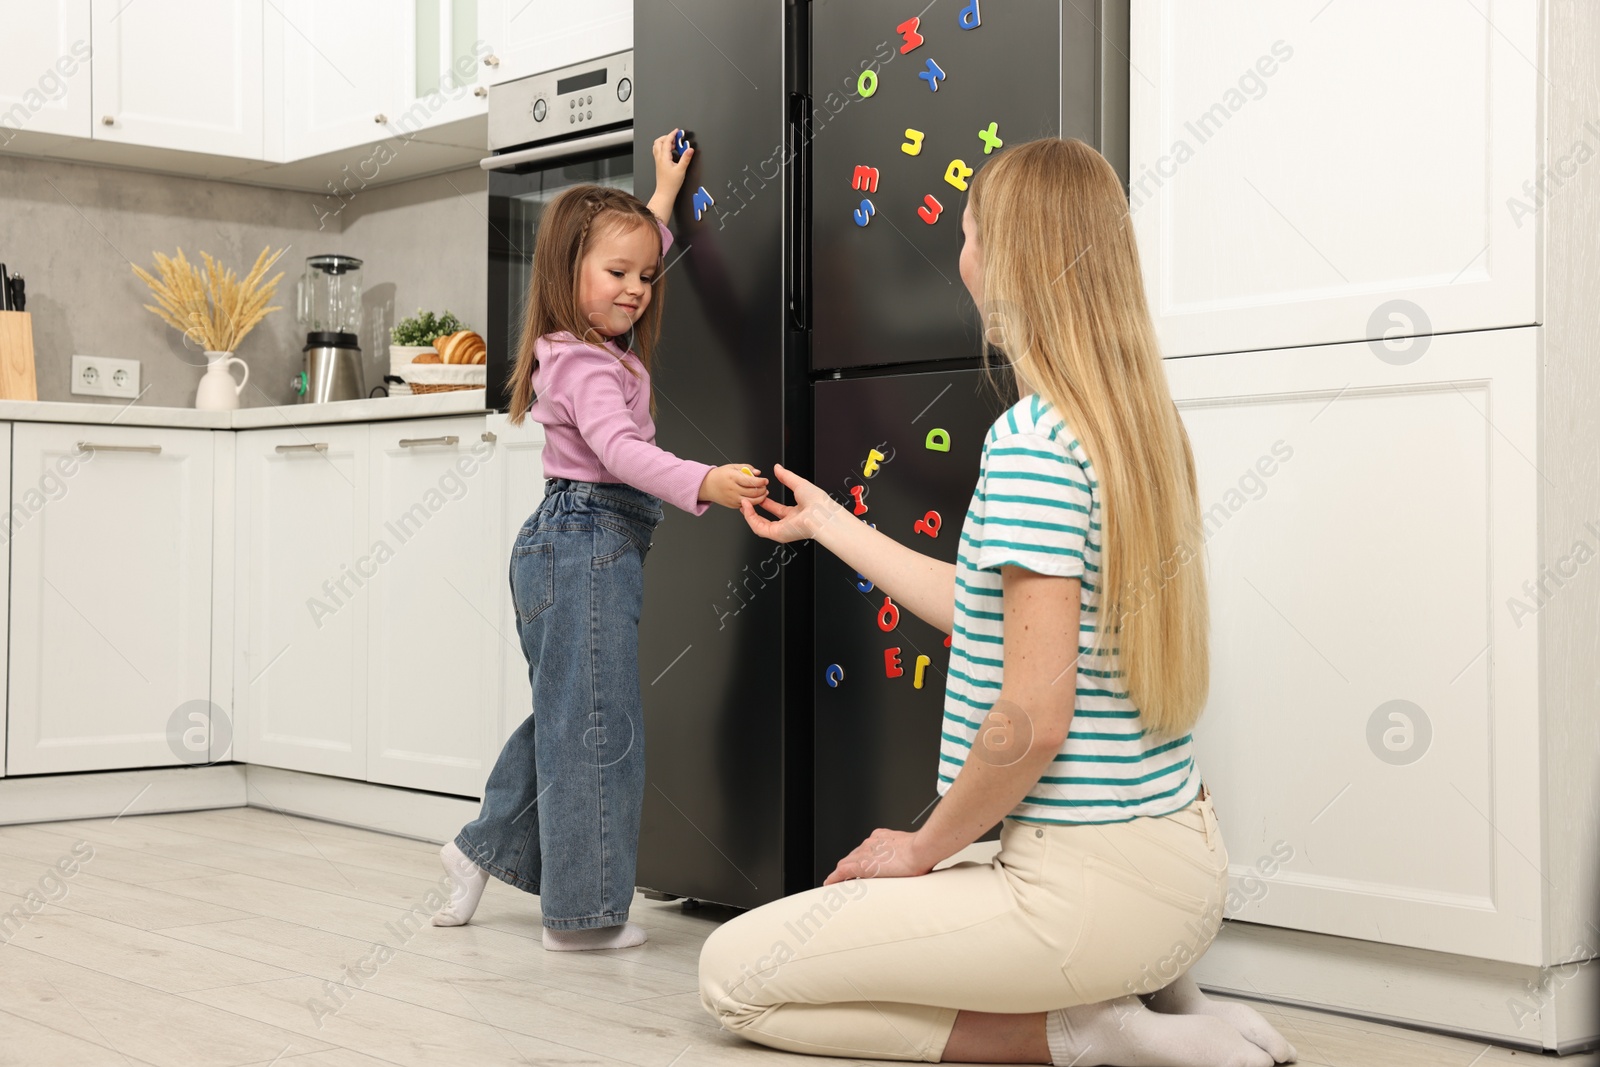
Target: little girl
(560, 814)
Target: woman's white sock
(1126, 1033)
(467, 880)
(1183, 997)
(625, 936)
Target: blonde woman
(1076, 734)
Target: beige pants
(1063, 915)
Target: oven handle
(544, 153)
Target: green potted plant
(413, 336)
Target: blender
(330, 310)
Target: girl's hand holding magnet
(812, 508)
(733, 485)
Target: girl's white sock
(625, 936)
(467, 880)
(1183, 997)
(1126, 1033)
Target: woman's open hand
(886, 854)
(811, 510)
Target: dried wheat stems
(217, 309)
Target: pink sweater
(596, 417)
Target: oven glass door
(517, 201)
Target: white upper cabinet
(44, 86)
(1310, 172)
(529, 36)
(442, 55)
(342, 78)
(110, 597)
(179, 74)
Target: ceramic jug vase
(218, 391)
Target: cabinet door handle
(107, 120)
(89, 446)
(491, 61)
(380, 118)
(480, 91)
(318, 447)
(409, 442)
(489, 436)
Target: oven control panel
(562, 103)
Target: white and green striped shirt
(1037, 506)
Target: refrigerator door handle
(799, 193)
(548, 152)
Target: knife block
(16, 356)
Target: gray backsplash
(73, 230)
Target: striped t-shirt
(1037, 506)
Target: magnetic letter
(680, 145)
(928, 524)
(970, 17)
(861, 505)
(946, 640)
(957, 174)
(865, 212)
(990, 141)
(922, 663)
(913, 145)
(929, 212)
(870, 467)
(834, 674)
(938, 440)
(908, 30)
(891, 663)
(933, 75)
(863, 583)
(867, 83)
(702, 201)
(888, 616)
(865, 178)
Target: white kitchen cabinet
(1307, 173)
(432, 626)
(1374, 706)
(44, 87)
(518, 471)
(441, 56)
(110, 595)
(301, 602)
(179, 74)
(529, 36)
(342, 72)
(5, 572)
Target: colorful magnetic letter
(867, 83)
(865, 212)
(702, 201)
(928, 524)
(861, 505)
(929, 212)
(933, 75)
(834, 674)
(747, 471)
(865, 178)
(870, 467)
(957, 174)
(938, 440)
(913, 145)
(922, 664)
(680, 144)
(970, 17)
(888, 616)
(908, 30)
(946, 640)
(989, 138)
(863, 583)
(891, 663)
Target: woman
(1111, 871)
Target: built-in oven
(548, 132)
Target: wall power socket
(102, 376)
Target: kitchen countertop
(458, 402)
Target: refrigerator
(814, 316)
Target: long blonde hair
(1064, 303)
(565, 230)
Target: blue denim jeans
(560, 813)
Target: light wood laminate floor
(209, 939)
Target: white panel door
(300, 624)
(110, 596)
(5, 570)
(432, 632)
(445, 79)
(1306, 173)
(519, 487)
(44, 69)
(343, 72)
(1374, 708)
(529, 36)
(182, 74)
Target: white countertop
(377, 409)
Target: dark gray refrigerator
(814, 316)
